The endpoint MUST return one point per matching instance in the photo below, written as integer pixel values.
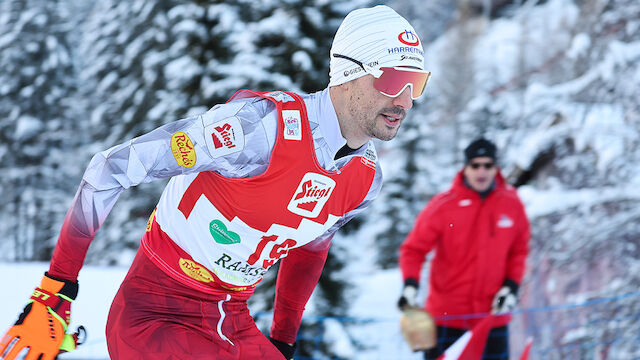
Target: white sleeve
(180, 147)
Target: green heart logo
(221, 235)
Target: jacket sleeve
(297, 277)
(420, 241)
(519, 251)
(159, 154)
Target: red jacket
(479, 244)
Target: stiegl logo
(311, 195)
(224, 137)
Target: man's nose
(404, 100)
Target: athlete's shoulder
(230, 126)
(246, 109)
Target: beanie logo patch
(356, 70)
(408, 38)
(352, 71)
(406, 57)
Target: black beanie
(480, 147)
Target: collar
(321, 111)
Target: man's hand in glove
(506, 298)
(43, 323)
(409, 294)
(286, 349)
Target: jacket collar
(320, 110)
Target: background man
(480, 234)
(262, 178)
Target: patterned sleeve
(233, 139)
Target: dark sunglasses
(487, 165)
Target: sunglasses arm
(373, 71)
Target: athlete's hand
(285, 348)
(43, 324)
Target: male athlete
(262, 178)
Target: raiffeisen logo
(311, 195)
(409, 38)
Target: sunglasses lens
(487, 166)
(393, 81)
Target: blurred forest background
(556, 84)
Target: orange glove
(43, 324)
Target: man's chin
(480, 188)
(386, 136)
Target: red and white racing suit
(253, 181)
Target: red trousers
(155, 317)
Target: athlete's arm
(240, 149)
(297, 277)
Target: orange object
(418, 329)
(42, 324)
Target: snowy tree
(554, 83)
(592, 135)
(38, 129)
(147, 63)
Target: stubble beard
(385, 133)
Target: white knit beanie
(376, 36)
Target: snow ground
(98, 285)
